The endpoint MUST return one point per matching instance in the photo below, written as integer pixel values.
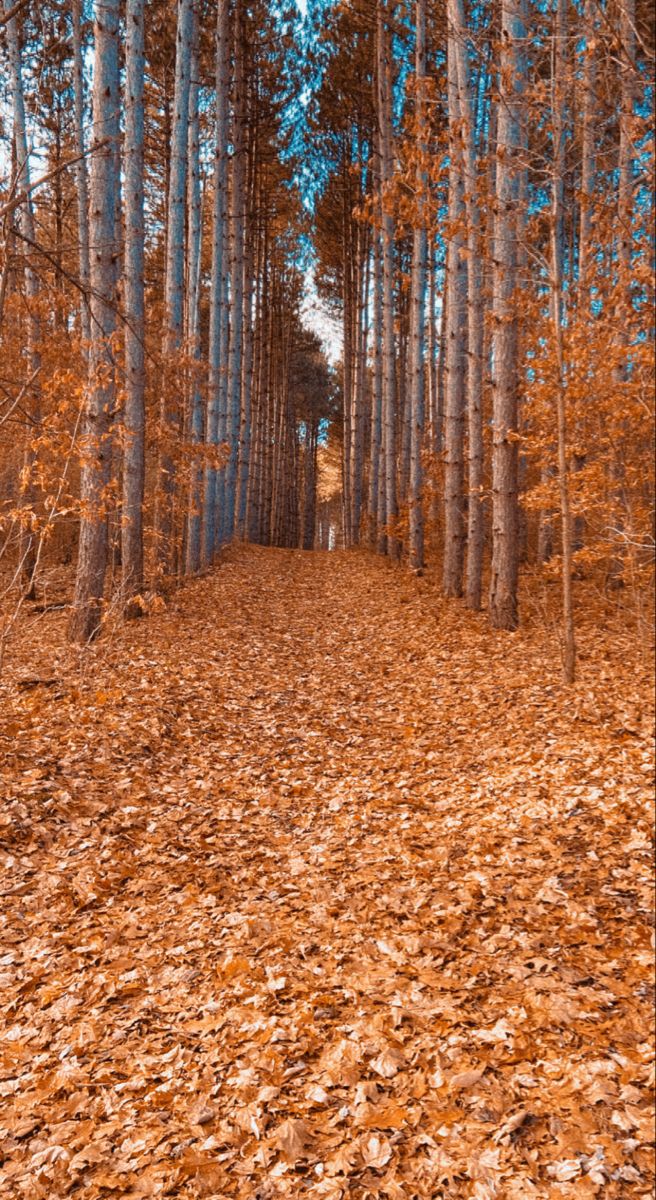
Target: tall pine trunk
(624, 268)
(134, 414)
(171, 403)
(509, 168)
(375, 439)
(28, 540)
(384, 106)
(475, 324)
(86, 615)
(455, 318)
(81, 182)
(361, 325)
(348, 351)
(192, 322)
(418, 303)
(237, 214)
(588, 178)
(217, 383)
(559, 63)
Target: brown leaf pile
(312, 886)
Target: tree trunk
(418, 303)
(251, 264)
(192, 332)
(28, 540)
(434, 423)
(456, 337)
(134, 414)
(245, 423)
(235, 352)
(475, 324)
(559, 63)
(510, 144)
(309, 486)
(81, 170)
(588, 157)
(171, 409)
(624, 268)
(347, 339)
(587, 191)
(375, 440)
(384, 105)
(86, 616)
(217, 384)
(361, 311)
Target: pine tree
(100, 402)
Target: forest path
(314, 886)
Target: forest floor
(314, 886)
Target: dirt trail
(313, 886)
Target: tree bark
(81, 170)
(418, 303)
(384, 106)
(347, 337)
(375, 439)
(238, 199)
(587, 200)
(556, 238)
(28, 540)
(217, 384)
(361, 323)
(171, 408)
(509, 168)
(475, 324)
(626, 152)
(134, 414)
(86, 616)
(192, 331)
(456, 336)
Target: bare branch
(21, 197)
(5, 18)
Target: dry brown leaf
(375, 1151)
(291, 1138)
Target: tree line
(162, 273)
(473, 185)
(485, 236)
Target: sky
(314, 312)
(315, 316)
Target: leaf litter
(314, 886)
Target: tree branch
(21, 197)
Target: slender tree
(456, 334)
(135, 331)
(475, 324)
(218, 299)
(559, 63)
(192, 298)
(375, 438)
(509, 169)
(81, 168)
(385, 134)
(237, 229)
(418, 300)
(28, 544)
(100, 402)
(171, 408)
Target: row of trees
(473, 185)
(168, 295)
(484, 233)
